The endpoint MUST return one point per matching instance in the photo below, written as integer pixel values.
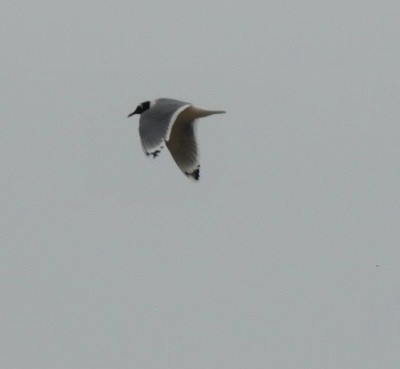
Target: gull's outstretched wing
(182, 144)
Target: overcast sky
(284, 255)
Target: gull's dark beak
(134, 112)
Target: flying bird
(172, 122)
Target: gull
(172, 122)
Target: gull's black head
(141, 108)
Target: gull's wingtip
(195, 175)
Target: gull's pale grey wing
(182, 144)
(155, 124)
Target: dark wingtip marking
(195, 174)
(155, 153)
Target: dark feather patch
(155, 153)
(195, 174)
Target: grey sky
(112, 260)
